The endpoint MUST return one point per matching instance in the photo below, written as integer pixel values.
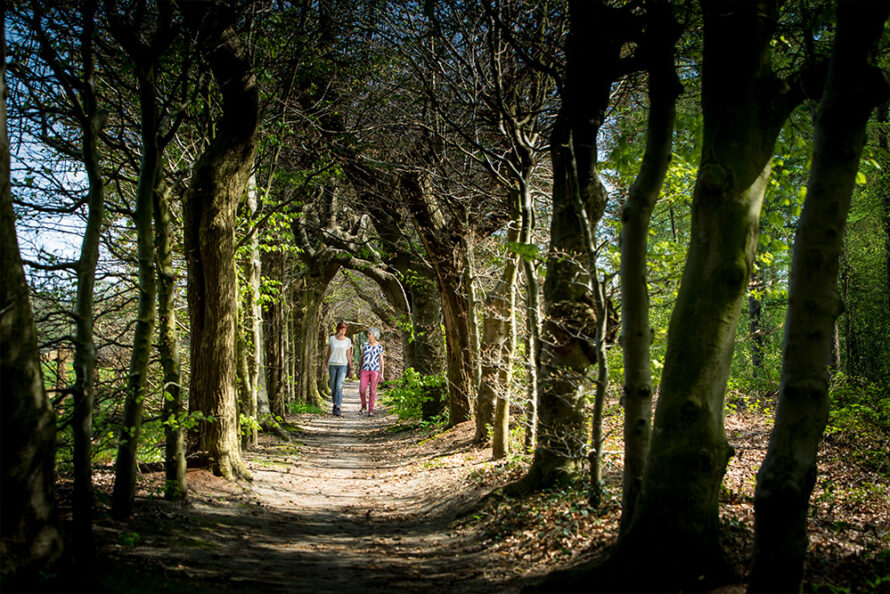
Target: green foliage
(405, 324)
(407, 394)
(129, 539)
(857, 406)
(247, 424)
(302, 408)
(527, 251)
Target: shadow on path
(354, 504)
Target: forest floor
(358, 504)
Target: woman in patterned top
(371, 370)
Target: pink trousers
(368, 377)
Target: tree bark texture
(664, 87)
(243, 377)
(217, 186)
(672, 541)
(124, 491)
(497, 345)
(500, 439)
(786, 478)
(84, 347)
(30, 540)
(469, 273)
(310, 359)
(175, 487)
(253, 316)
(428, 342)
(443, 249)
(273, 330)
(569, 325)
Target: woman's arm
(381, 365)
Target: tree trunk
(497, 345)
(533, 313)
(253, 318)
(426, 312)
(664, 87)
(788, 473)
(273, 322)
(469, 274)
(851, 356)
(672, 541)
(242, 377)
(500, 441)
(84, 347)
(175, 487)
(755, 326)
(443, 249)
(124, 491)
(30, 540)
(569, 328)
(293, 360)
(310, 360)
(287, 350)
(602, 383)
(217, 185)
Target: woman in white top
(337, 363)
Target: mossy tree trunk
(273, 331)
(91, 119)
(145, 57)
(569, 325)
(310, 359)
(672, 540)
(443, 249)
(175, 487)
(30, 539)
(786, 478)
(664, 87)
(217, 186)
(497, 346)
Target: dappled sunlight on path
(353, 504)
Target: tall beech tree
(672, 540)
(441, 239)
(657, 52)
(785, 481)
(79, 86)
(145, 56)
(30, 539)
(219, 181)
(168, 348)
(569, 325)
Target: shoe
(337, 411)
(361, 411)
(370, 414)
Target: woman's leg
(374, 378)
(338, 374)
(363, 386)
(332, 382)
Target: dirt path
(355, 505)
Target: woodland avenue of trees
(610, 240)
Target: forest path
(354, 504)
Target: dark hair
(342, 324)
